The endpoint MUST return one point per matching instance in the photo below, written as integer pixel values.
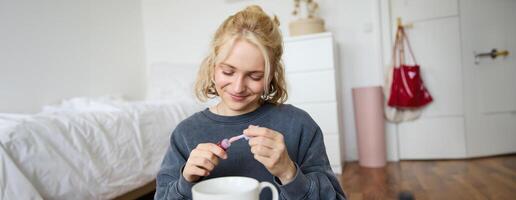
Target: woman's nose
(239, 84)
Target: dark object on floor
(405, 195)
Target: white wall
(180, 31)
(50, 50)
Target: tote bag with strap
(407, 89)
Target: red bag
(407, 89)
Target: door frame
(383, 36)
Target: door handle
(493, 54)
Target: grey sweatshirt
(303, 137)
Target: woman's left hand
(269, 149)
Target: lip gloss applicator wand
(226, 143)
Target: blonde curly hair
(256, 27)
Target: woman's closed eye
(253, 76)
(256, 77)
(227, 73)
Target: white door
(489, 84)
(436, 40)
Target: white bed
(86, 148)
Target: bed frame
(138, 192)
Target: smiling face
(239, 79)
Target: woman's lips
(236, 97)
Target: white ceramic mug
(231, 188)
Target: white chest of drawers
(312, 86)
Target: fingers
(269, 163)
(263, 141)
(269, 148)
(255, 131)
(263, 151)
(192, 172)
(206, 156)
(195, 168)
(277, 161)
(214, 149)
(264, 160)
(202, 161)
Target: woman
(286, 146)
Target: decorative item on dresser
(310, 23)
(311, 80)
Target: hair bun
(276, 20)
(254, 8)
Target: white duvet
(84, 149)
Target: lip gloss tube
(224, 144)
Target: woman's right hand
(202, 161)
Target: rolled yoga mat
(370, 126)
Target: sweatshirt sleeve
(170, 183)
(314, 177)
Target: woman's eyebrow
(228, 65)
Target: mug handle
(273, 189)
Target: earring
(265, 97)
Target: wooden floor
(482, 178)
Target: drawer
(312, 87)
(332, 144)
(324, 114)
(309, 53)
